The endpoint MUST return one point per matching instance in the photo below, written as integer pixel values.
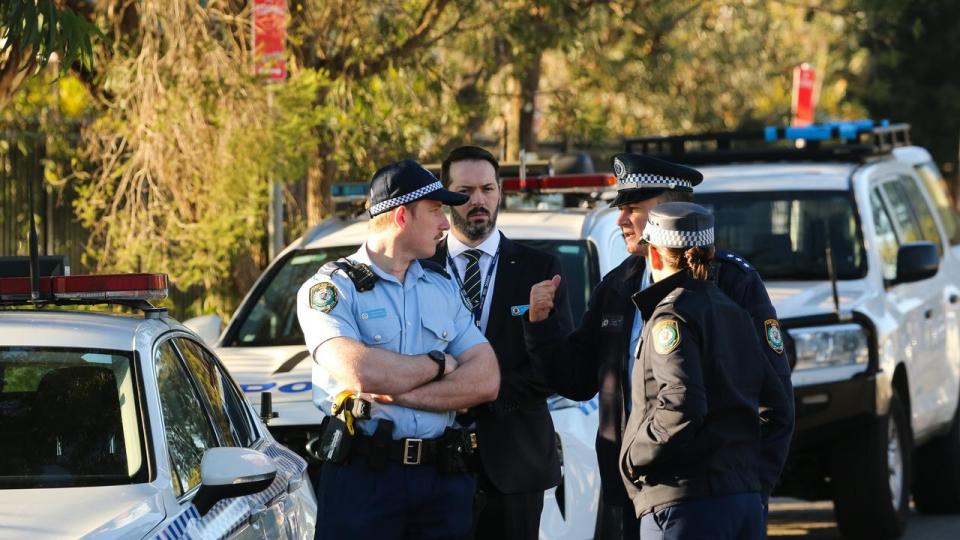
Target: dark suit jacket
(516, 438)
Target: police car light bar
(561, 182)
(88, 288)
(848, 131)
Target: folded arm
(476, 380)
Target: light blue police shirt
(635, 339)
(424, 313)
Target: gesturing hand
(541, 299)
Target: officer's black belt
(404, 451)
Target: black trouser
(509, 516)
(617, 522)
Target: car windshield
(68, 417)
(786, 235)
(271, 318)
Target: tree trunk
(529, 80)
(320, 176)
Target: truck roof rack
(850, 141)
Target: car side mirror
(229, 472)
(207, 327)
(916, 261)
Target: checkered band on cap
(644, 180)
(658, 236)
(389, 204)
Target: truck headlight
(830, 346)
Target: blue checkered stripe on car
(229, 515)
(177, 528)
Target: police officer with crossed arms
(396, 353)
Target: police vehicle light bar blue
(845, 130)
(349, 189)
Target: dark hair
(695, 260)
(467, 153)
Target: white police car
(127, 426)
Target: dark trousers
(617, 522)
(729, 517)
(396, 503)
(509, 516)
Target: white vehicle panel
(41, 514)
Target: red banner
(804, 78)
(269, 38)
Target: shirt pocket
(380, 332)
(439, 331)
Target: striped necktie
(471, 279)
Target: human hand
(541, 299)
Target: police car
(127, 425)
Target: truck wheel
(871, 478)
(937, 489)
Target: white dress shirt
(488, 247)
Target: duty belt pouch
(334, 440)
(380, 445)
(450, 456)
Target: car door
(273, 513)
(919, 304)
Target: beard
(474, 231)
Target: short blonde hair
(381, 222)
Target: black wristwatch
(441, 359)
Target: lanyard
(478, 309)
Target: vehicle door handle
(928, 314)
(954, 298)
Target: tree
(34, 31)
(912, 74)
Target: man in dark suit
(517, 445)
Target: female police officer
(693, 442)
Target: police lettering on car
(396, 352)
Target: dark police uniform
(691, 452)
(394, 480)
(596, 357)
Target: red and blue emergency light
(87, 288)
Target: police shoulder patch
(323, 296)
(771, 329)
(666, 336)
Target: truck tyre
(937, 488)
(871, 478)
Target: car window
(272, 316)
(908, 230)
(68, 417)
(887, 245)
(922, 211)
(227, 410)
(936, 187)
(786, 235)
(187, 425)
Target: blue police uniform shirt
(635, 338)
(424, 313)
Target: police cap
(679, 225)
(404, 182)
(641, 177)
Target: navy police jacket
(700, 379)
(594, 358)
